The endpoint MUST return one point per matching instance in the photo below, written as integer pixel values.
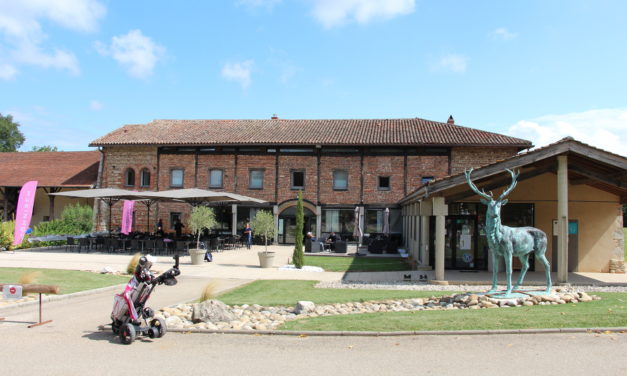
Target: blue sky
(73, 70)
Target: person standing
(178, 228)
(248, 235)
(160, 227)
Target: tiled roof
(565, 145)
(50, 169)
(414, 131)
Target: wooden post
(440, 210)
(562, 219)
(40, 289)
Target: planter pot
(198, 256)
(266, 259)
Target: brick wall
(225, 162)
(386, 166)
(288, 163)
(330, 163)
(265, 162)
(168, 162)
(424, 166)
(117, 161)
(466, 157)
(236, 175)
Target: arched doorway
(287, 224)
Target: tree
(299, 256)
(44, 148)
(10, 136)
(263, 223)
(201, 218)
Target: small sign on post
(12, 292)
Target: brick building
(339, 165)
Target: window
(129, 177)
(338, 220)
(176, 177)
(144, 179)
(384, 183)
(340, 180)
(174, 217)
(215, 178)
(255, 179)
(298, 179)
(374, 221)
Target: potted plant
(201, 218)
(264, 224)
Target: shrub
(130, 268)
(209, 291)
(263, 223)
(75, 220)
(299, 256)
(6, 235)
(201, 218)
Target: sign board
(12, 291)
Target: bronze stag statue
(510, 241)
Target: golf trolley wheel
(115, 327)
(127, 334)
(158, 326)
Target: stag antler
(511, 186)
(474, 187)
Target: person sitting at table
(331, 240)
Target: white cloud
(503, 33)
(25, 40)
(96, 105)
(135, 51)
(605, 129)
(7, 72)
(452, 62)
(239, 72)
(337, 12)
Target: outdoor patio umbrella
(109, 195)
(386, 222)
(357, 233)
(197, 196)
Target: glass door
(460, 243)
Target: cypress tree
(299, 256)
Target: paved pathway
(72, 344)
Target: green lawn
(357, 264)
(69, 281)
(611, 311)
(271, 293)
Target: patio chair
(136, 246)
(214, 244)
(83, 244)
(160, 247)
(340, 246)
(71, 244)
(316, 247)
(181, 247)
(149, 245)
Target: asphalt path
(73, 345)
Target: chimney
(450, 120)
(274, 117)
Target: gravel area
(473, 288)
